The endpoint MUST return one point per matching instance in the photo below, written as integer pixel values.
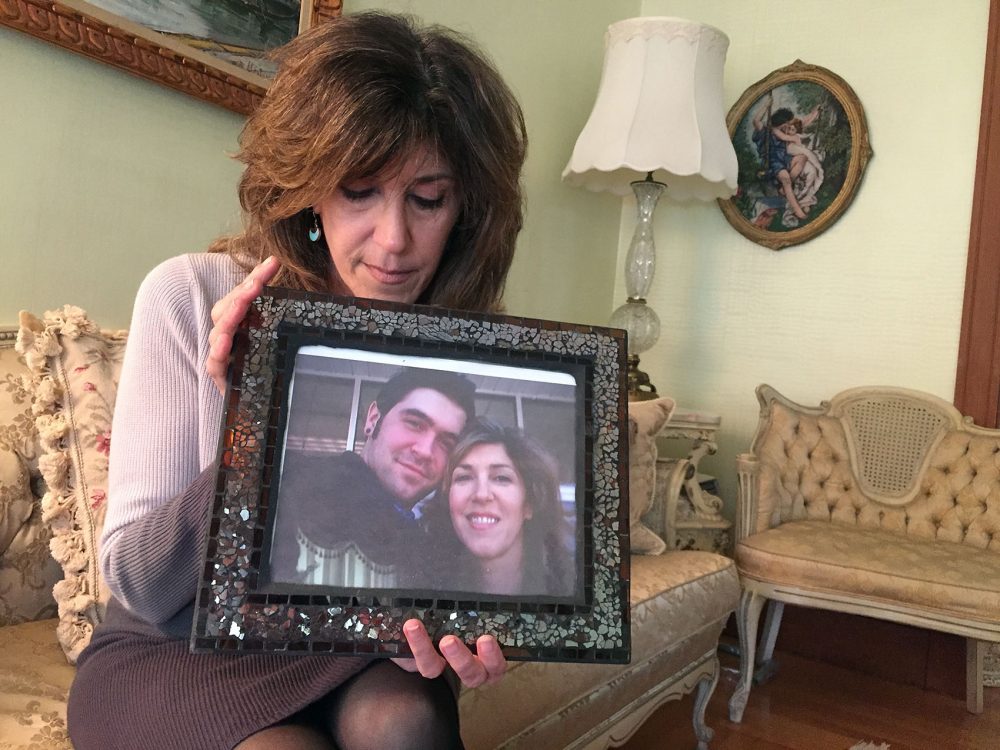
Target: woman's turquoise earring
(314, 231)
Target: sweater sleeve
(164, 438)
(156, 560)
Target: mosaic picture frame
(293, 354)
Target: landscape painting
(237, 31)
(215, 50)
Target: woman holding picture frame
(384, 162)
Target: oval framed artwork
(801, 140)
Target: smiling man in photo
(347, 519)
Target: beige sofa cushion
(15, 498)
(34, 684)
(17, 425)
(806, 472)
(881, 566)
(18, 445)
(645, 420)
(27, 570)
(74, 372)
(679, 598)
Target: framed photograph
(802, 143)
(211, 49)
(381, 462)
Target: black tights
(380, 708)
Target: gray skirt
(136, 687)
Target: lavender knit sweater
(166, 432)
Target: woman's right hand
(484, 667)
(227, 314)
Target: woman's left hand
(227, 314)
(484, 667)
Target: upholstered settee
(57, 393)
(883, 502)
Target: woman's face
(487, 502)
(386, 234)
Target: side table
(692, 512)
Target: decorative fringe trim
(38, 341)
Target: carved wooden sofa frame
(882, 502)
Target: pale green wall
(106, 174)
(103, 175)
(877, 298)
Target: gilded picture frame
(330, 527)
(174, 60)
(802, 143)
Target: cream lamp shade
(658, 125)
(659, 108)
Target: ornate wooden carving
(89, 31)
(326, 9)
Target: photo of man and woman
(427, 474)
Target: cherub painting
(788, 162)
(801, 143)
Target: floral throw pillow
(74, 369)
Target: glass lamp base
(639, 386)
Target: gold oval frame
(860, 153)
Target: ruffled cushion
(34, 685)
(680, 602)
(645, 420)
(938, 577)
(74, 378)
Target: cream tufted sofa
(56, 402)
(883, 502)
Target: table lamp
(658, 124)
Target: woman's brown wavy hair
(353, 97)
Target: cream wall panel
(877, 298)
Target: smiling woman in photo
(498, 517)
